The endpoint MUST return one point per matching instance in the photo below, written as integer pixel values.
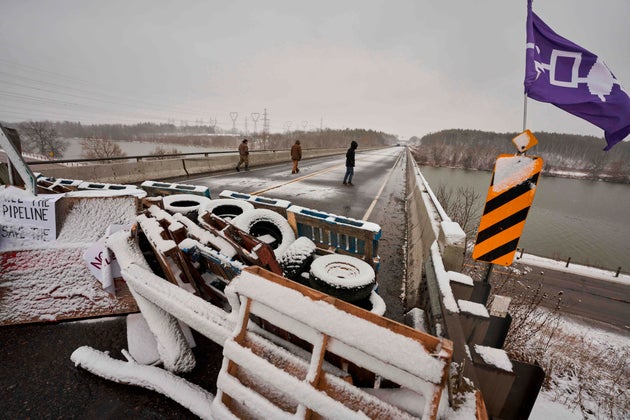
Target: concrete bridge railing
(127, 172)
(455, 306)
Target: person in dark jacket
(347, 179)
(243, 156)
(296, 156)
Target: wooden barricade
(340, 234)
(255, 383)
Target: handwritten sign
(27, 217)
(102, 262)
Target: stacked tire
(342, 276)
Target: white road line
(380, 191)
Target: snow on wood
(364, 335)
(347, 221)
(193, 397)
(206, 237)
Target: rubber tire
(297, 259)
(228, 208)
(186, 204)
(326, 272)
(259, 222)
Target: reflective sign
(510, 196)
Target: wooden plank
(429, 342)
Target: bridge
(391, 191)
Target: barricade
(279, 206)
(165, 188)
(340, 234)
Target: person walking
(296, 156)
(347, 179)
(243, 156)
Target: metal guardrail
(139, 158)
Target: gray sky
(403, 67)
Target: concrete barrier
(135, 172)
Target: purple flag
(573, 79)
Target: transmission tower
(255, 116)
(304, 124)
(246, 133)
(234, 116)
(265, 125)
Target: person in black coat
(347, 179)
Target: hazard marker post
(511, 193)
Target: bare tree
(161, 151)
(462, 207)
(96, 148)
(41, 137)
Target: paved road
(607, 302)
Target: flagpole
(525, 111)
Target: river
(584, 220)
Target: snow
(510, 171)
(184, 203)
(453, 233)
(86, 226)
(473, 308)
(460, 278)
(215, 203)
(206, 237)
(394, 348)
(443, 279)
(593, 272)
(248, 220)
(284, 204)
(153, 231)
(348, 221)
(342, 271)
(193, 397)
(494, 357)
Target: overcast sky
(404, 67)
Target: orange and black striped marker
(510, 196)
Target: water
(584, 220)
(132, 148)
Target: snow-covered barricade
(222, 279)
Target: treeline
(564, 154)
(139, 131)
(50, 138)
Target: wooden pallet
(254, 383)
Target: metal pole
(524, 111)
